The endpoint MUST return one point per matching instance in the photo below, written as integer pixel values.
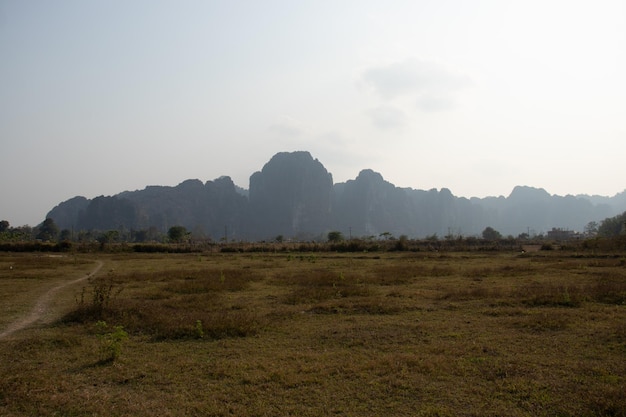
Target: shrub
(110, 341)
(101, 296)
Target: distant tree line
(47, 236)
(613, 226)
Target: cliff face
(369, 206)
(211, 209)
(535, 210)
(66, 214)
(294, 196)
(290, 196)
(205, 209)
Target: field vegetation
(305, 333)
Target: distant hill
(294, 196)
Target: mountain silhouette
(290, 196)
(294, 196)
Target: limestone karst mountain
(290, 196)
(294, 196)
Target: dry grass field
(316, 334)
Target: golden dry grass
(405, 334)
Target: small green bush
(110, 341)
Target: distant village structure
(560, 234)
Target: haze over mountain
(473, 96)
(294, 196)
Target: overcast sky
(99, 97)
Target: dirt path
(41, 308)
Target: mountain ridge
(294, 196)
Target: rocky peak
(291, 195)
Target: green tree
(4, 226)
(22, 233)
(139, 235)
(177, 234)
(491, 234)
(109, 236)
(48, 230)
(591, 228)
(613, 226)
(66, 234)
(335, 236)
(402, 243)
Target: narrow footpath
(43, 303)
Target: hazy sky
(98, 97)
